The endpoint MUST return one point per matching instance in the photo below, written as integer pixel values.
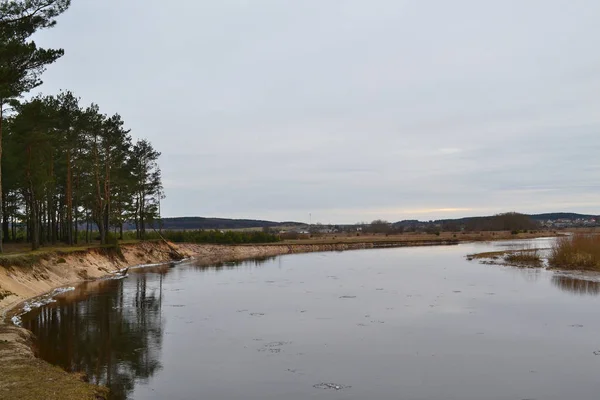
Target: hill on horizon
(535, 217)
(561, 215)
(180, 223)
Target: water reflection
(578, 286)
(256, 262)
(111, 330)
(113, 335)
(530, 274)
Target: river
(419, 323)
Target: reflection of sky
(349, 110)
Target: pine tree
(21, 61)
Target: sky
(344, 111)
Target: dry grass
(580, 251)
(521, 257)
(528, 257)
(22, 260)
(22, 257)
(489, 254)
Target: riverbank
(22, 375)
(25, 377)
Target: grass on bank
(27, 259)
(529, 257)
(520, 257)
(580, 251)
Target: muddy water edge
(401, 323)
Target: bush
(580, 251)
(61, 261)
(111, 239)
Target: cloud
(349, 109)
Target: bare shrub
(580, 251)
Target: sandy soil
(18, 283)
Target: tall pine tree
(21, 61)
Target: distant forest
(501, 222)
(214, 223)
(508, 221)
(561, 215)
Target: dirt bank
(25, 377)
(24, 279)
(216, 253)
(22, 375)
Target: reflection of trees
(254, 262)
(575, 285)
(114, 335)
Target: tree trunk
(5, 218)
(101, 231)
(142, 217)
(106, 224)
(52, 213)
(107, 193)
(69, 201)
(87, 228)
(99, 208)
(35, 234)
(1, 118)
(76, 238)
(43, 222)
(76, 209)
(27, 221)
(14, 228)
(137, 220)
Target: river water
(406, 323)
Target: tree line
(66, 168)
(214, 236)
(511, 221)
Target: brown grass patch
(529, 257)
(580, 251)
(521, 257)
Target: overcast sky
(350, 110)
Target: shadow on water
(111, 330)
(222, 266)
(577, 286)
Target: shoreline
(24, 376)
